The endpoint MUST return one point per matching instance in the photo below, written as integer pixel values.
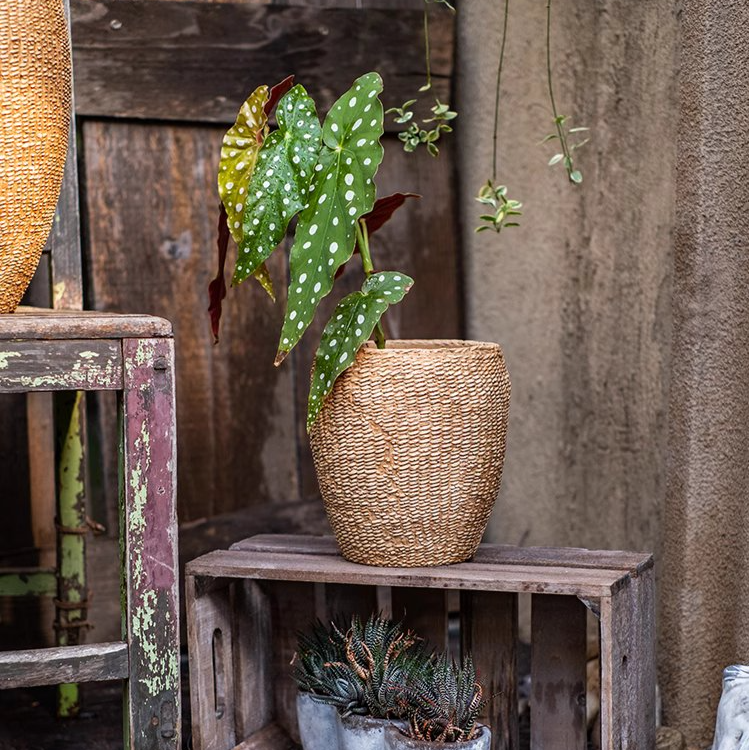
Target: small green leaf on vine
(415, 135)
(506, 210)
(565, 156)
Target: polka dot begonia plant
(325, 174)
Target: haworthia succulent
(239, 152)
(349, 327)
(280, 183)
(342, 190)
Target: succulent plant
(363, 669)
(445, 702)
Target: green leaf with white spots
(239, 152)
(279, 186)
(341, 192)
(349, 327)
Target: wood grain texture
(149, 528)
(235, 411)
(33, 323)
(211, 651)
(52, 666)
(628, 662)
(489, 632)
(558, 674)
(424, 611)
(271, 737)
(60, 365)
(476, 576)
(198, 61)
(503, 554)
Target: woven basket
(35, 100)
(409, 448)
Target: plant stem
(362, 238)
(499, 82)
(557, 123)
(426, 47)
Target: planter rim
(428, 345)
(446, 745)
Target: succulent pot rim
(417, 744)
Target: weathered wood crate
(245, 605)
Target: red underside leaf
(274, 95)
(380, 214)
(217, 287)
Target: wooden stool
(245, 605)
(45, 350)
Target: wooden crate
(245, 605)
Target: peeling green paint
(5, 356)
(88, 355)
(33, 583)
(161, 674)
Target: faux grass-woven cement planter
(318, 723)
(396, 740)
(409, 448)
(35, 102)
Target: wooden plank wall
(157, 82)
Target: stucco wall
(579, 295)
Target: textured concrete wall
(579, 296)
(705, 581)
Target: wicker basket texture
(409, 448)
(35, 83)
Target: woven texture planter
(409, 449)
(35, 100)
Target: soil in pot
(396, 740)
(409, 448)
(318, 723)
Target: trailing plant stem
(558, 123)
(426, 47)
(362, 237)
(500, 65)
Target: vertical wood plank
(150, 545)
(343, 601)
(489, 631)
(293, 609)
(253, 691)
(558, 673)
(628, 666)
(424, 611)
(235, 410)
(211, 656)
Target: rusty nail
(160, 363)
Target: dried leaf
(217, 287)
(276, 93)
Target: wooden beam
(53, 666)
(198, 61)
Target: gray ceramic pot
(318, 723)
(732, 725)
(362, 733)
(396, 740)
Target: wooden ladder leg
(149, 542)
(72, 591)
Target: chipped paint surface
(5, 356)
(151, 542)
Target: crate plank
(628, 665)
(209, 635)
(342, 600)
(423, 611)
(33, 323)
(587, 583)
(489, 632)
(52, 666)
(271, 737)
(194, 61)
(60, 365)
(505, 554)
(253, 675)
(558, 674)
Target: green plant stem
(426, 48)
(499, 82)
(557, 123)
(362, 238)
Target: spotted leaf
(341, 192)
(349, 327)
(239, 151)
(280, 183)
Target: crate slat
(558, 673)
